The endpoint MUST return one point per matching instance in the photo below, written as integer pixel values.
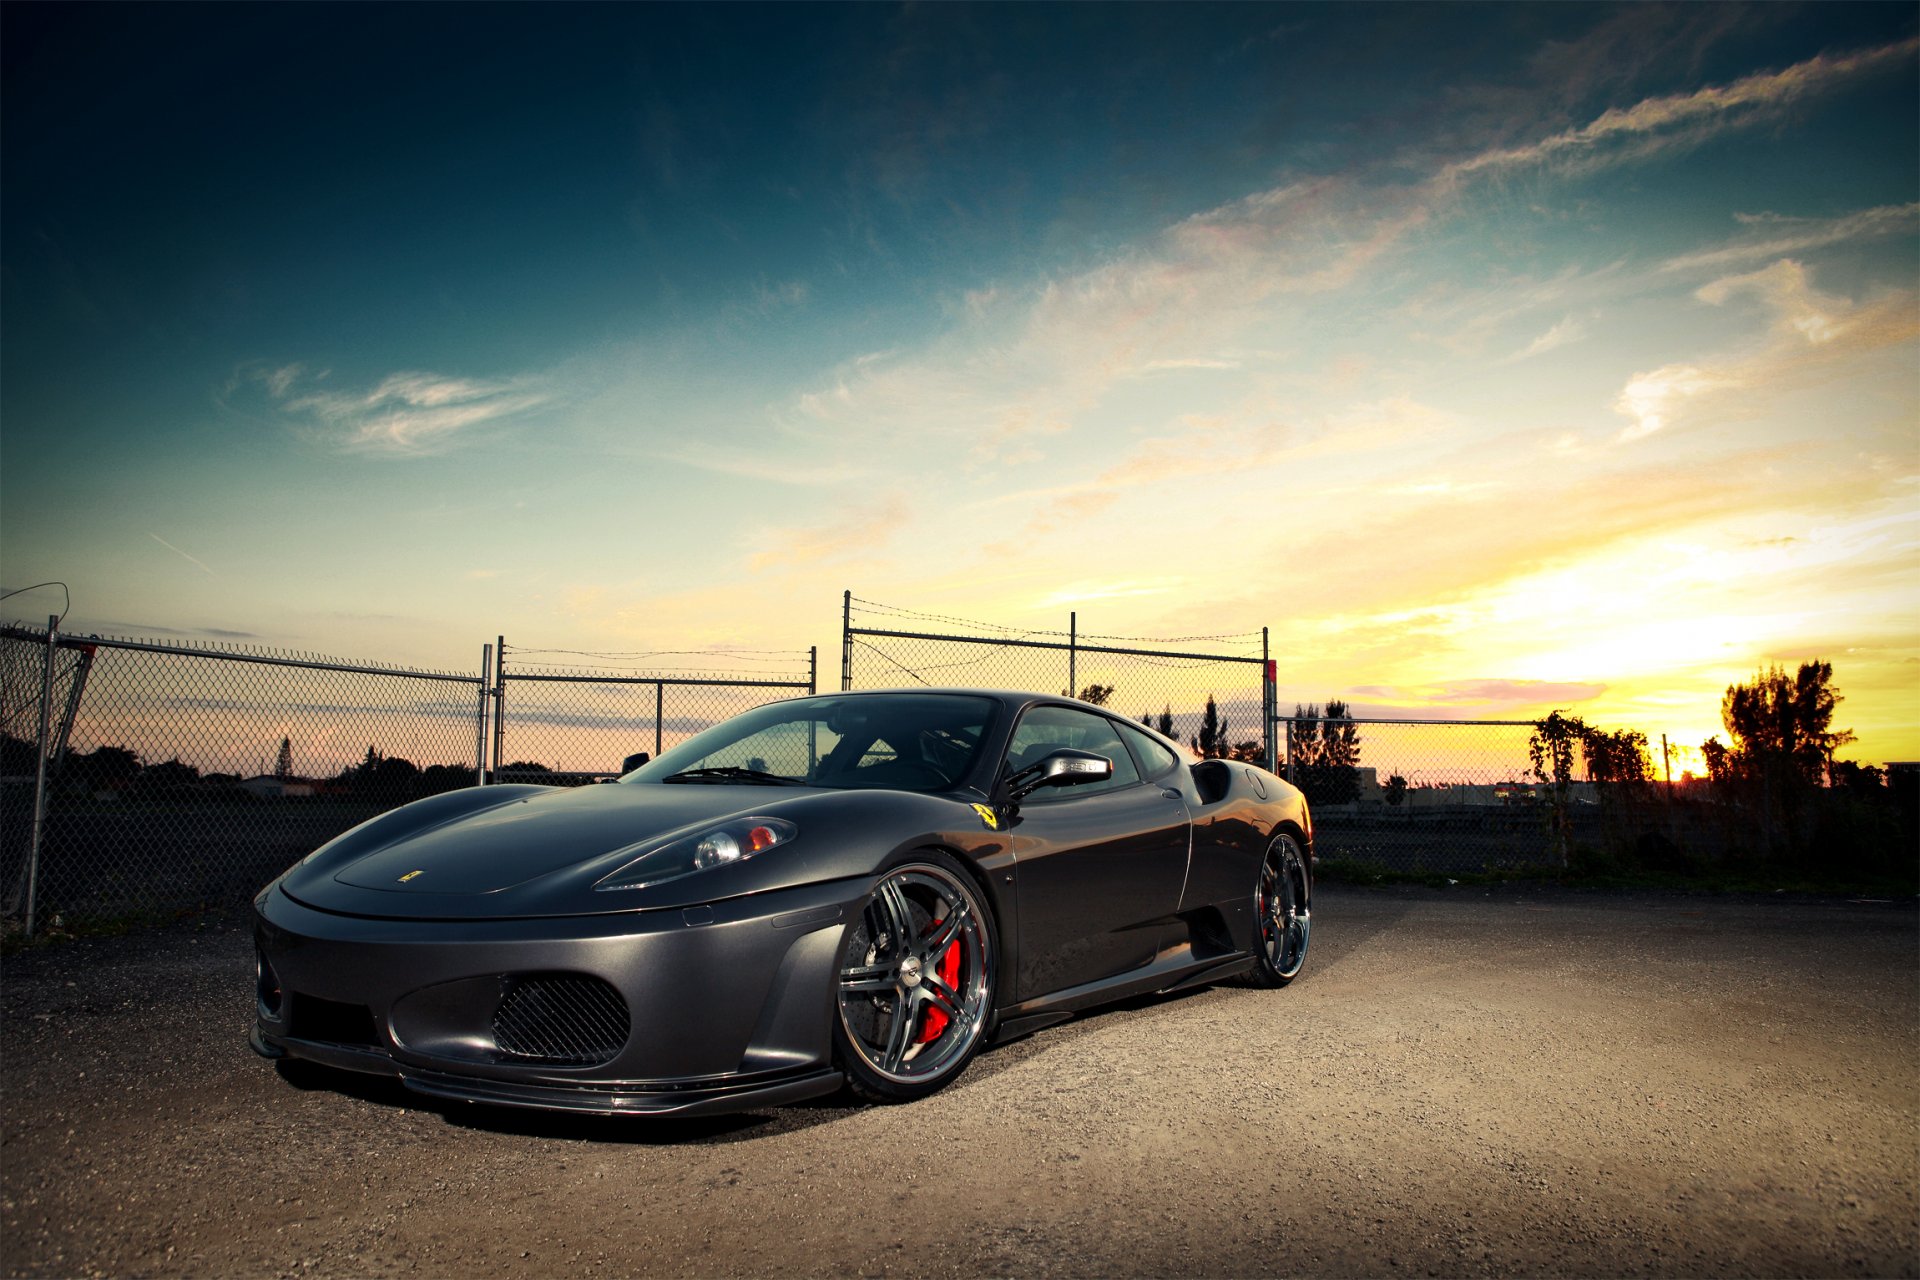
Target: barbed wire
(895, 611)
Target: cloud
(1531, 692)
(1684, 120)
(739, 461)
(1255, 274)
(1813, 338)
(193, 560)
(1089, 592)
(1568, 330)
(405, 414)
(1650, 399)
(822, 544)
(1787, 236)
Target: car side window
(1156, 759)
(1045, 730)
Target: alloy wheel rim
(914, 976)
(1286, 921)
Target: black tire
(1282, 918)
(901, 1029)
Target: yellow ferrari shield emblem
(988, 816)
(410, 875)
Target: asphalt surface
(1463, 1082)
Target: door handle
(1170, 793)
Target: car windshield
(901, 742)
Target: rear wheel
(915, 981)
(1281, 914)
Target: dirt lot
(1464, 1082)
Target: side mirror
(1063, 768)
(634, 761)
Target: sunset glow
(1498, 359)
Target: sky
(1496, 358)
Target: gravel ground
(1464, 1082)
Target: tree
(1097, 694)
(1781, 728)
(1619, 757)
(1165, 723)
(1211, 742)
(104, 767)
(283, 763)
(1775, 768)
(1323, 753)
(1550, 750)
(1396, 790)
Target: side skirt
(1175, 969)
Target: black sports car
(853, 889)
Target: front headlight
(734, 841)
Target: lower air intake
(567, 1019)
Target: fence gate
(563, 724)
(1168, 688)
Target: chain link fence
(171, 775)
(1463, 796)
(564, 724)
(1165, 686)
(164, 776)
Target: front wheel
(915, 981)
(1281, 914)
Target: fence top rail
(310, 662)
(1530, 724)
(714, 682)
(998, 643)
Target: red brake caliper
(949, 971)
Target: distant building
(268, 787)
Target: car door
(1100, 865)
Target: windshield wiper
(733, 773)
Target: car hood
(536, 851)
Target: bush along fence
(1468, 796)
(139, 776)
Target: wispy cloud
(1782, 237)
(1569, 330)
(748, 462)
(1685, 120)
(193, 560)
(838, 540)
(405, 414)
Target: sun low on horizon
(1496, 359)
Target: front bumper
(724, 1007)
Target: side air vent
(567, 1019)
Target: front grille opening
(332, 1021)
(567, 1019)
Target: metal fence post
(40, 769)
(1268, 707)
(846, 641)
(499, 701)
(1073, 655)
(659, 713)
(480, 719)
(813, 668)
